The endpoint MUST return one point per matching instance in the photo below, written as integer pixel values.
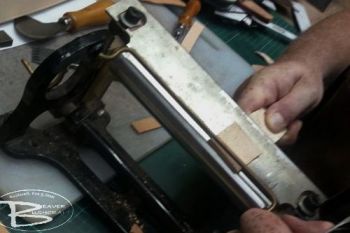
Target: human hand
(262, 221)
(288, 90)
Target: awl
(237, 14)
(92, 15)
(185, 20)
(249, 6)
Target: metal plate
(212, 108)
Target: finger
(256, 93)
(301, 98)
(240, 90)
(265, 87)
(262, 221)
(301, 226)
(234, 231)
(292, 133)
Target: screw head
(133, 15)
(132, 18)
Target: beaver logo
(43, 209)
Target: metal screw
(133, 15)
(308, 204)
(132, 18)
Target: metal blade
(236, 14)
(277, 29)
(33, 29)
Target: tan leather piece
(192, 36)
(238, 143)
(145, 125)
(3, 229)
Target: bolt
(133, 15)
(132, 18)
(308, 203)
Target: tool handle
(192, 9)
(256, 10)
(92, 15)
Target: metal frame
(174, 76)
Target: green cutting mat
(245, 41)
(172, 167)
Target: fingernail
(276, 122)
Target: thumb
(302, 97)
(301, 226)
(262, 221)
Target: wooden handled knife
(249, 6)
(92, 15)
(255, 9)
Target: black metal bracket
(85, 119)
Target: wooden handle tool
(256, 10)
(185, 20)
(93, 15)
(285, 6)
(192, 9)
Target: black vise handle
(34, 101)
(53, 147)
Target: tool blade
(33, 29)
(277, 29)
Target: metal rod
(131, 73)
